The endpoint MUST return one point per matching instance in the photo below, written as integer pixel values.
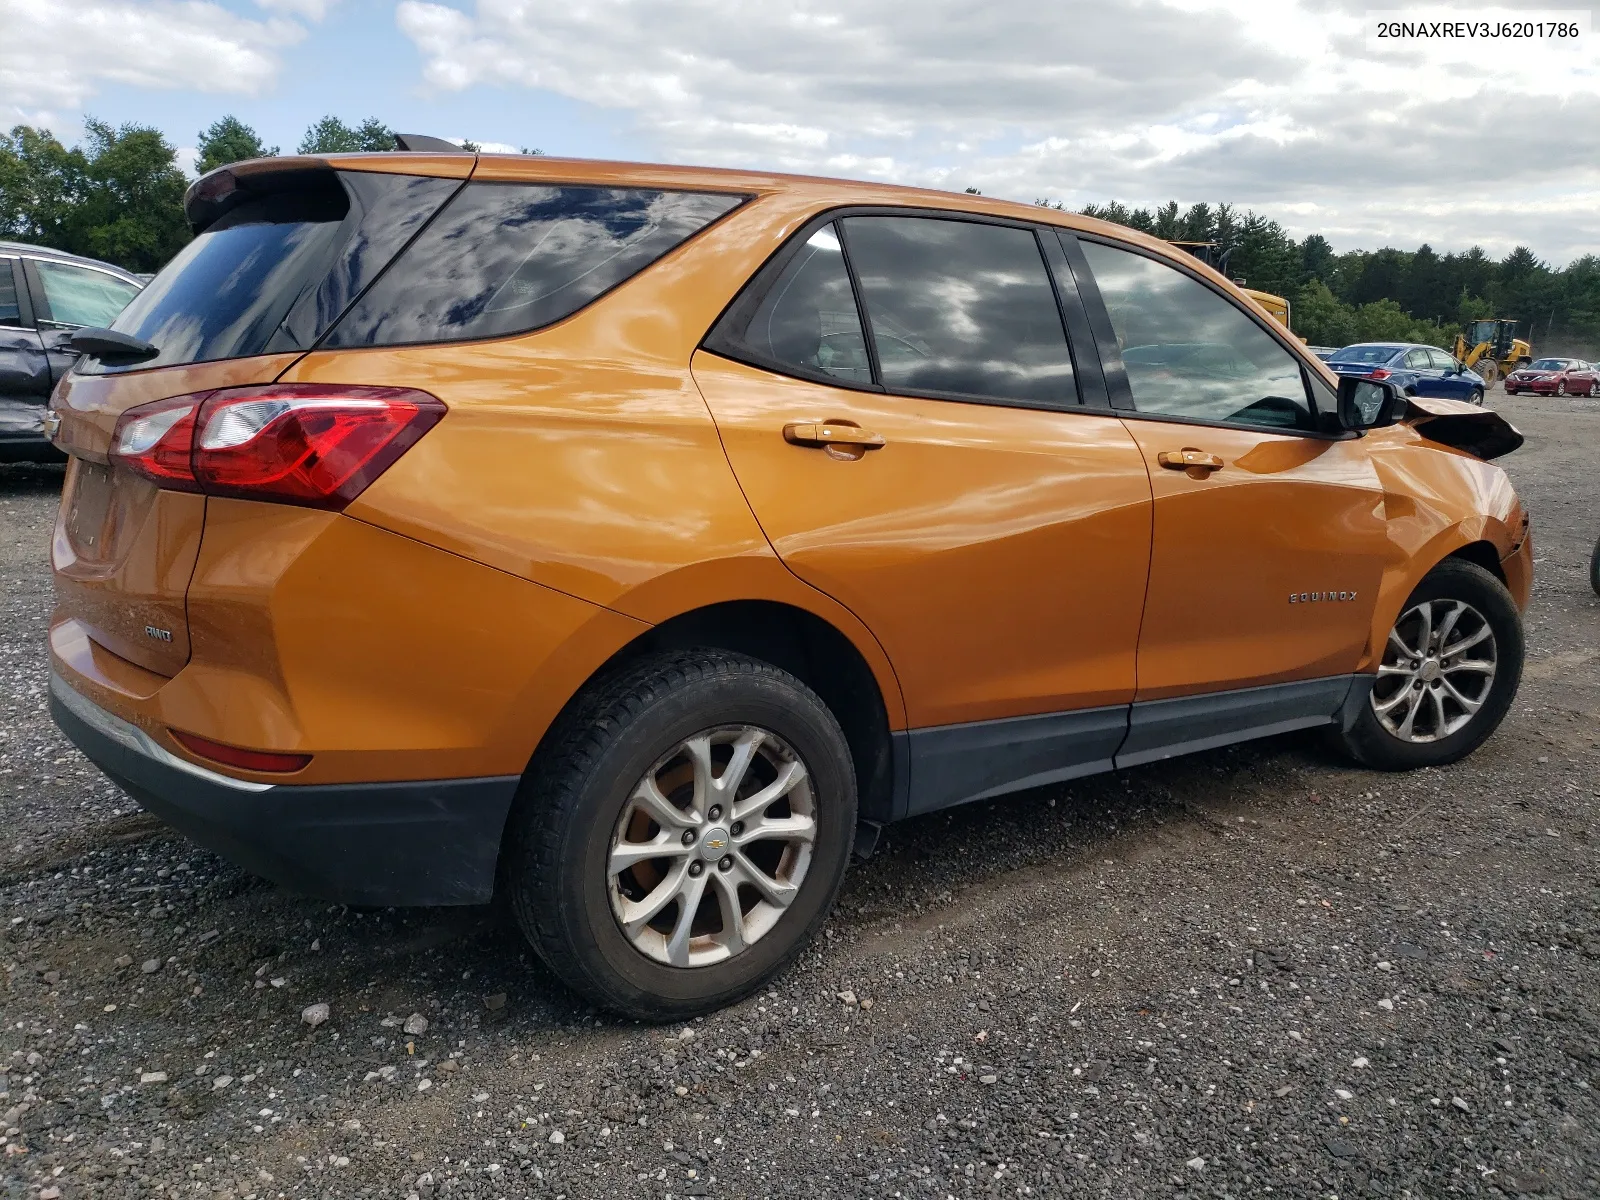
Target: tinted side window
(807, 319)
(505, 258)
(1189, 353)
(79, 296)
(10, 310)
(962, 307)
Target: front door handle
(827, 436)
(1197, 463)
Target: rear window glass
(273, 273)
(1364, 354)
(505, 258)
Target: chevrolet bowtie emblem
(716, 843)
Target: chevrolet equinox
(635, 541)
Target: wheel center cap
(714, 843)
(1430, 670)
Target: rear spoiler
(215, 192)
(1480, 432)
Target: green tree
(229, 140)
(132, 209)
(1322, 318)
(41, 182)
(118, 196)
(332, 136)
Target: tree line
(1387, 295)
(118, 196)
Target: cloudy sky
(1293, 107)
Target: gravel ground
(1247, 972)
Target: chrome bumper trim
(133, 738)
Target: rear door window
(960, 308)
(81, 296)
(507, 258)
(807, 322)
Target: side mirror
(1368, 403)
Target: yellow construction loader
(1493, 349)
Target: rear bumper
(409, 843)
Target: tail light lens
(1378, 373)
(303, 444)
(155, 440)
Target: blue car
(1415, 370)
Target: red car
(1556, 377)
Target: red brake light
(306, 444)
(154, 440)
(1378, 373)
(247, 760)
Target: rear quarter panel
(583, 457)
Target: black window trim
(1116, 372)
(743, 198)
(762, 279)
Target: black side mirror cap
(1368, 403)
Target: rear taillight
(155, 440)
(306, 444)
(1378, 373)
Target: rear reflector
(246, 760)
(305, 444)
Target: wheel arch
(803, 643)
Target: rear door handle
(1197, 463)
(823, 436)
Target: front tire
(1477, 397)
(1594, 569)
(684, 835)
(1448, 675)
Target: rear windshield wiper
(110, 346)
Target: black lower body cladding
(410, 843)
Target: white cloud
(54, 55)
(1280, 106)
(311, 10)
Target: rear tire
(1450, 680)
(670, 731)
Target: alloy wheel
(1437, 671)
(712, 846)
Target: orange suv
(636, 541)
